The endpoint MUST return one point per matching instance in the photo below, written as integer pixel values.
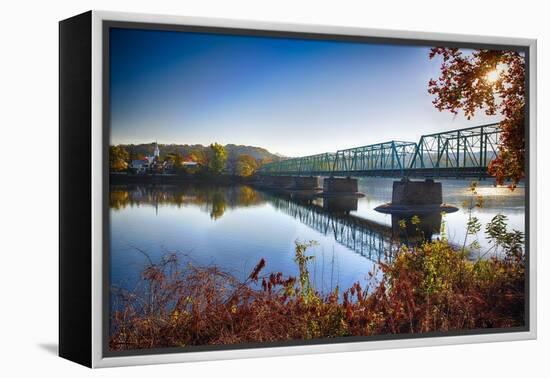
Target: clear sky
(293, 97)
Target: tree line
(215, 159)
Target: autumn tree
(199, 155)
(246, 165)
(494, 82)
(136, 155)
(217, 158)
(118, 158)
(176, 159)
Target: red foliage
(429, 288)
(463, 84)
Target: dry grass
(431, 287)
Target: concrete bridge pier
(416, 198)
(415, 193)
(305, 182)
(416, 209)
(340, 185)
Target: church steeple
(156, 153)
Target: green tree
(492, 81)
(217, 158)
(118, 158)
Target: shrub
(429, 287)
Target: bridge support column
(305, 183)
(340, 185)
(422, 200)
(412, 193)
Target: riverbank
(430, 288)
(169, 178)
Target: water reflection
(343, 204)
(234, 227)
(215, 200)
(376, 241)
(331, 216)
(414, 229)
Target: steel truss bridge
(462, 153)
(371, 240)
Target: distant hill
(233, 150)
(257, 153)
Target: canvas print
(283, 189)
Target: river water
(233, 227)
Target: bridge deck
(461, 153)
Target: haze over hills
(233, 150)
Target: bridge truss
(458, 153)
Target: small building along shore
(148, 163)
(153, 164)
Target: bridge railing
(468, 149)
(320, 163)
(394, 155)
(473, 147)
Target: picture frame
(85, 126)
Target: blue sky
(293, 97)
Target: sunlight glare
(492, 76)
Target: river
(233, 227)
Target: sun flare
(492, 76)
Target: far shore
(172, 178)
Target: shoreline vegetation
(173, 163)
(427, 287)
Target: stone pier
(414, 193)
(340, 185)
(416, 198)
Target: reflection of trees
(118, 199)
(218, 205)
(248, 196)
(211, 199)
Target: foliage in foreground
(431, 287)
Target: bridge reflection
(370, 239)
(330, 216)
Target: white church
(143, 165)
